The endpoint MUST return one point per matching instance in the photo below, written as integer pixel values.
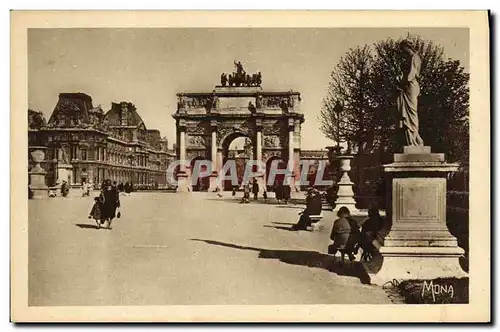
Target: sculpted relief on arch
(197, 128)
(196, 141)
(272, 141)
(226, 129)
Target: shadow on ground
(280, 227)
(303, 258)
(86, 226)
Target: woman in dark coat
(278, 191)
(255, 189)
(287, 191)
(110, 202)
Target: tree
(36, 120)
(346, 110)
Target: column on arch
(297, 147)
(261, 180)
(291, 150)
(216, 165)
(182, 176)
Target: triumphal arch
(207, 123)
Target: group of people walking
(107, 205)
(126, 188)
(282, 192)
(246, 192)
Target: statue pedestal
(238, 89)
(38, 186)
(345, 194)
(183, 183)
(418, 245)
(37, 174)
(64, 173)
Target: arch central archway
(238, 148)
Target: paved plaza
(181, 249)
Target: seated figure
(345, 234)
(313, 207)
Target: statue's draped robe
(408, 100)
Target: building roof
(71, 109)
(113, 116)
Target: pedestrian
(64, 189)
(246, 194)
(234, 192)
(255, 189)
(84, 189)
(96, 212)
(111, 202)
(264, 194)
(278, 191)
(120, 187)
(127, 188)
(368, 232)
(313, 207)
(287, 191)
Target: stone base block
(431, 157)
(183, 184)
(405, 263)
(213, 183)
(412, 149)
(40, 192)
(420, 238)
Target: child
(96, 212)
(264, 194)
(341, 232)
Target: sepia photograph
(207, 166)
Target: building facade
(82, 143)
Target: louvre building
(83, 143)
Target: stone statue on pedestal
(239, 68)
(407, 101)
(62, 157)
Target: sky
(149, 66)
